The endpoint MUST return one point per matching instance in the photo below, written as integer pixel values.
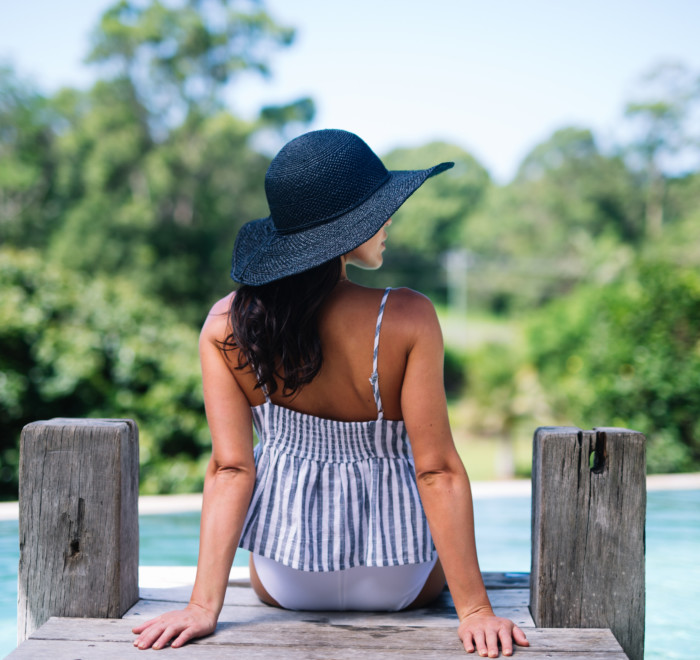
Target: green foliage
(581, 189)
(454, 373)
(662, 114)
(628, 354)
(152, 195)
(571, 215)
(26, 162)
(119, 206)
(664, 120)
(169, 213)
(181, 56)
(118, 210)
(95, 347)
(504, 396)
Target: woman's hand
(483, 631)
(180, 626)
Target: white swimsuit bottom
(364, 588)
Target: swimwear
(362, 588)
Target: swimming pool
(503, 541)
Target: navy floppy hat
(328, 193)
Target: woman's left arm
(444, 486)
(228, 487)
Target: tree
(582, 187)
(77, 346)
(180, 58)
(626, 354)
(158, 195)
(566, 217)
(163, 214)
(664, 117)
(26, 162)
(118, 224)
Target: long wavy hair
(275, 327)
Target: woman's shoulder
(408, 301)
(217, 324)
(411, 308)
(410, 317)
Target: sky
(495, 77)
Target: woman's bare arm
(443, 483)
(228, 487)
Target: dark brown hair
(275, 327)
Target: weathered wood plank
(588, 531)
(144, 610)
(322, 634)
(78, 520)
(70, 650)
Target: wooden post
(78, 520)
(588, 513)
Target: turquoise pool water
(503, 540)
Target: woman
(338, 508)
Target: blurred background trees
(570, 295)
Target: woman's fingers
(480, 642)
(176, 628)
(184, 637)
(519, 637)
(467, 641)
(165, 637)
(506, 638)
(492, 643)
(159, 634)
(484, 633)
(141, 627)
(149, 635)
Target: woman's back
(331, 493)
(347, 326)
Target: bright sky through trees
(494, 77)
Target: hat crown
(320, 176)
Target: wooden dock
(249, 629)
(80, 589)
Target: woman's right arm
(228, 487)
(443, 483)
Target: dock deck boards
(249, 629)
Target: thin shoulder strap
(265, 392)
(374, 378)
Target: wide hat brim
(262, 255)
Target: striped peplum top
(330, 495)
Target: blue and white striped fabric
(331, 495)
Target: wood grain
(588, 531)
(106, 638)
(78, 520)
(73, 650)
